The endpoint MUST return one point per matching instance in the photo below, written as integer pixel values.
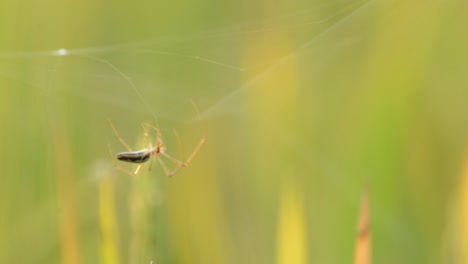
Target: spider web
(156, 79)
(202, 66)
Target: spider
(141, 156)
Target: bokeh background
(304, 104)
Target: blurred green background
(305, 104)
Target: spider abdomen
(135, 157)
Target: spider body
(138, 156)
(152, 153)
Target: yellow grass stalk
(464, 211)
(291, 243)
(107, 221)
(67, 203)
(363, 240)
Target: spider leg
(195, 151)
(166, 170)
(137, 169)
(182, 164)
(118, 136)
(179, 163)
(160, 145)
(202, 140)
(147, 142)
(179, 142)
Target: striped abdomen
(135, 157)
